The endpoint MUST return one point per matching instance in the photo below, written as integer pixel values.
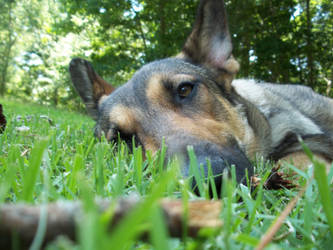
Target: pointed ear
(209, 44)
(89, 85)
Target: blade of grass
(227, 192)
(194, 171)
(137, 157)
(41, 229)
(324, 191)
(31, 173)
(162, 156)
(10, 167)
(158, 233)
(323, 186)
(308, 213)
(8, 179)
(99, 169)
(72, 182)
(90, 147)
(277, 223)
(247, 239)
(258, 202)
(133, 225)
(89, 229)
(211, 180)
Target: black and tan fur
(192, 99)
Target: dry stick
(20, 221)
(268, 236)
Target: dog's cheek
(149, 143)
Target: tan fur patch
(249, 141)
(149, 143)
(181, 55)
(232, 117)
(102, 99)
(124, 118)
(155, 91)
(231, 65)
(238, 127)
(302, 161)
(226, 79)
(181, 78)
(201, 127)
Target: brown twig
(21, 221)
(274, 228)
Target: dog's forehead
(170, 65)
(133, 93)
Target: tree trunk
(309, 49)
(5, 66)
(246, 56)
(55, 96)
(7, 52)
(162, 30)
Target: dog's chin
(220, 161)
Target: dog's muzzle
(221, 160)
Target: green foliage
(323, 187)
(8, 38)
(279, 41)
(274, 41)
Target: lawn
(50, 155)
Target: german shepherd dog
(193, 99)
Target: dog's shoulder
(261, 93)
(284, 97)
(289, 109)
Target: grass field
(49, 154)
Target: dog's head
(184, 100)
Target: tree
(277, 41)
(8, 38)
(130, 33)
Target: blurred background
(289, 41)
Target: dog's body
(192, 99)
(293, 112)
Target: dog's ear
(209, 44)
(90, 86)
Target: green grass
(61, 160)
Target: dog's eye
(185, 89)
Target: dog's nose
(221, 160)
